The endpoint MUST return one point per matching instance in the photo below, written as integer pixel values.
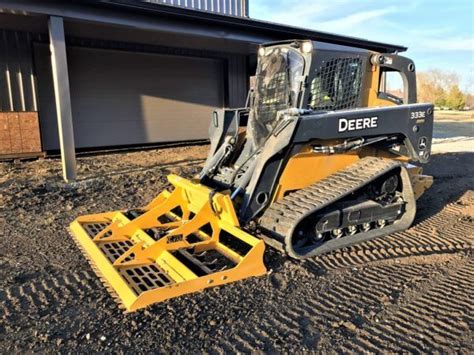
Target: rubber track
(280, 219)
(421, 239)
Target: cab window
(391, 86)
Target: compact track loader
(321, 158)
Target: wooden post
(62, 97)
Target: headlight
(307, 47)
(261, 51)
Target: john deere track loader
(321, 158)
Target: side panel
(415, 122)
(389, 63)
(371, 88)
(305, 168)
(412, 123)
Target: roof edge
(246, 24)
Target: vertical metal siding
(224, 7)
(18, 87)
(17, 77)
(177, 107)
(237, 76)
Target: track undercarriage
(370, 198)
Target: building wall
(19, 84)
(19, 123)
(224, 7)
(122, 98)
(236, 64)
(17, 77)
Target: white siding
(224, 7)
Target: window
(337, 85)
(277, 88)
(391, 86)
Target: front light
(307, 47)
(261, 51)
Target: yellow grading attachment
(183, 241)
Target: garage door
(126, 98)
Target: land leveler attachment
(323, 156)
(183, 241)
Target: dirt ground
(408, 292)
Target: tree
(439, 96)
(433, 86)
(469, 101)
(425, 83)
(455, 99)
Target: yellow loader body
(321, 158)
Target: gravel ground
(408, 292)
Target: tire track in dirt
(33, 296)
(312, 312)
(302, 322)
(435, 320)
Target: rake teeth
(139, 266)
(98, 273)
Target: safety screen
(337, 85)
(276, 89)
(271, 94)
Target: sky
(438, 34)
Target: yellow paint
(306, 168)
(192, 198)
(370, 151)
(420, 182)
